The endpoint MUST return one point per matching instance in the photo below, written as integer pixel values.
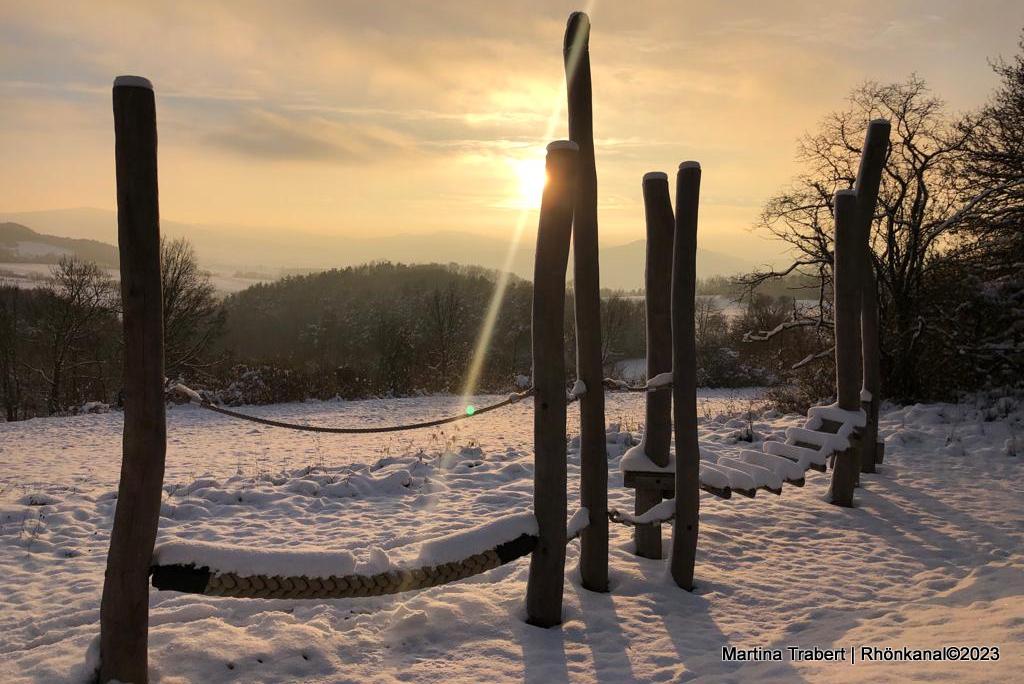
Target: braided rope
(195, 398)
(187, 578)
(349, 586)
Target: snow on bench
(802, 456)
(763, 478)
(827, 430)
(737, 480)
(786, 469)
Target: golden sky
(382, 117)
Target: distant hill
(231, 249)
(622, 267)
(21, 244)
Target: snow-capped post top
(689, 165)
(846, 192)
(563, 145)
(133, 81)
(655, 176)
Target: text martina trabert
(814, 653)
(863, 653)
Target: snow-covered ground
(30, 276)
(931, 557)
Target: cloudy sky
(384, 117)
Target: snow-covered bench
(827, 431)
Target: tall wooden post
(684, 375)
(658, 302)
(869, 178)
(124, 609)
(847, 277)
(586, 277)
(547, 564)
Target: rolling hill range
(230, 249)
(21, 244)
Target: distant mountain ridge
(235, 248)
(21, 244)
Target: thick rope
(188, 578)
(195, 398)
(616, 516)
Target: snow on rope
(244, 572)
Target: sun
(531, 178)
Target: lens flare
(532, 178)
(494, 308)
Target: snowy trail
(932, 556)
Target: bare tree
(709, 321)
(80, 294)
(445, 314)
(193, 316)
(995, 171)
(983, 337)
(10, 378)
(920, 204)
(615, 320)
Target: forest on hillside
(379, 329)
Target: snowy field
(933, 556)
(31, 276)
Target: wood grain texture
(684, 376)
(547, 563)
(124, 610)
(587, 297)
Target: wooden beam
(869, 178)
(586, 278)
(848, 277)
(124, 607)
(684, 375)
(547, 564)
(658, 306)
(647, 537)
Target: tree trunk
(684, 375)
(547, 564)
(586, 278)
(124, 611)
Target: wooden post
(547, 564)
(657, 287)
(869, 177)
(847, 277)
(684, 375)
(586, 277)
(124, 609)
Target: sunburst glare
(531, 178)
